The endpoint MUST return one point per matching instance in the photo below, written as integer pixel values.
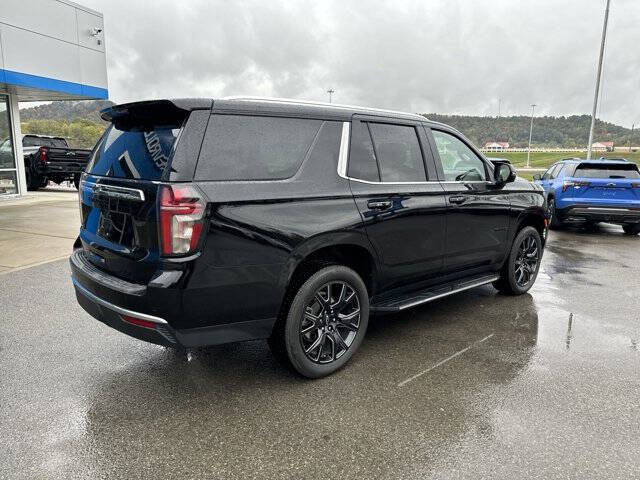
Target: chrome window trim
(343, 163)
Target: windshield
(142, 152)
(594, 170)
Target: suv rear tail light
(43, 155)
(181, 217)
(569, 183)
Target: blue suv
(592, 191)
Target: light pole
(631, 136)
(331, 91)
(499, 105)
(595, 97)
(533, 107)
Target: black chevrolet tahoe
(213, 221)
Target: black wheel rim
(330, 323)
(526, 264)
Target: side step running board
(433, 293)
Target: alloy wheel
(331, 322)
(526, 262)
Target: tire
(554, 222)
(511, 281)
(44, 182)
(33, 180)
(76, 181)
(631, 229)
(306, 312)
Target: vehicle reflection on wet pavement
(544, 385)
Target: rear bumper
(112, 315)
(60, 169)
(116, 302)
(618, 215)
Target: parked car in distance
(214, 221)
(51, 159)
(592, 191)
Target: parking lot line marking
(442, 362)
(36, 264)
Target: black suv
(214, 221)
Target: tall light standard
(595, 97)
(331, 91)
(533, 107)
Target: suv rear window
(597, 170)
(31, 141)
(134, 151)
(243, 147)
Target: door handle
(457, 199)
(379, 204)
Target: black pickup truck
(50, 159)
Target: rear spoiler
(154, 110)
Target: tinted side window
(399, 153)
(362, 157)
(242, 147)
(557, 170)
(552, 172)
(459, 162)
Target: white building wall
(49, 50)
(52, 46)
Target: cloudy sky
(445, 56)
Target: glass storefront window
(8, 182)
(8, 179)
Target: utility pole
(631, 136)
(331, 91)
(533, 107)
(598, 75)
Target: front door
(477, 217)
(399, 198)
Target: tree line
(571, 131)
(80, 123)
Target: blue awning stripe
(44, 83)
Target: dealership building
(49, 50)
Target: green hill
(80, 122)
(572, 131)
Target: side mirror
(537, 177)
(504, 173)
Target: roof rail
(311, 103)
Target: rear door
(477, 212)
(119, 230)
(398, 196)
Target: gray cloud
(449, 56)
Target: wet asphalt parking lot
(477, 385)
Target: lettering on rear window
(155, 149)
